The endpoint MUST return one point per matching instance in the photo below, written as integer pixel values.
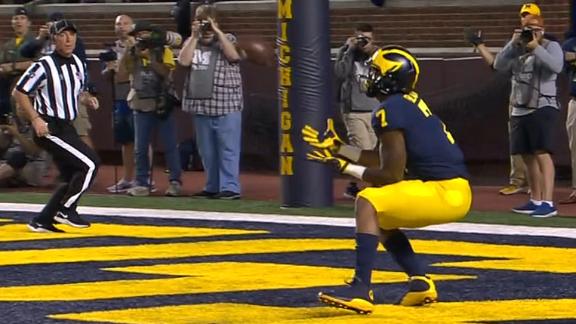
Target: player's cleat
(38, 227)
(527, 208)
(357, 297)
(421, 291)
(71, 217)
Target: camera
(362, 41)
(526, 35)
(205, 26)
(108, 56)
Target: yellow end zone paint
(19, 232)
(519, 258)
(445, 313)
(195, 278)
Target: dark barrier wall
(469, 96)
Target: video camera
(109, 55)
(157, 38)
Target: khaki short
(82, 122)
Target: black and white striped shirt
(56, 82)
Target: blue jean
(144, 124)
(219, 140)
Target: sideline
(302, 220)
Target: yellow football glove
(326, 156)
(330, 139)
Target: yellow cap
(530, 8)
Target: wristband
(355, 170)
(350, 152)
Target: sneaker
(544, 210)
(527, 208)
(357, 297)
(38, 227)
(121, 187)
(174, 189)
(421, 291)
(351, 191)
(513, 189)
(139, 191)
(227, 195)
(205, 194)
(71, 217)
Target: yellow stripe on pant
(417, 203)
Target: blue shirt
(570, 46)
(432, 153)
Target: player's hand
(330, 139)
(325, 156)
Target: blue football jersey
(432, 153)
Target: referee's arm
(23, 102)
(28, 83)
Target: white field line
(303, 220)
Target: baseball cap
(62, 25)
(531, 9)
(142, 26)
(20, 11)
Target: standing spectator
(149, 66)
(57, 82)
(355, 106)
(518, 173)
(213, 94)
(569, 47)
(123, 116)
(534, 63)
(12, 64)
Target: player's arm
(392, 160)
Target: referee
(56, 82)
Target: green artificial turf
(269, 207)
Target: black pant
(76, 161)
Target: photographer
(213, 94)
(355, 106)
(21, 160)
(148, 63)
(534, 63)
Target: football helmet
(393, 69)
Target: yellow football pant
(416, 203)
